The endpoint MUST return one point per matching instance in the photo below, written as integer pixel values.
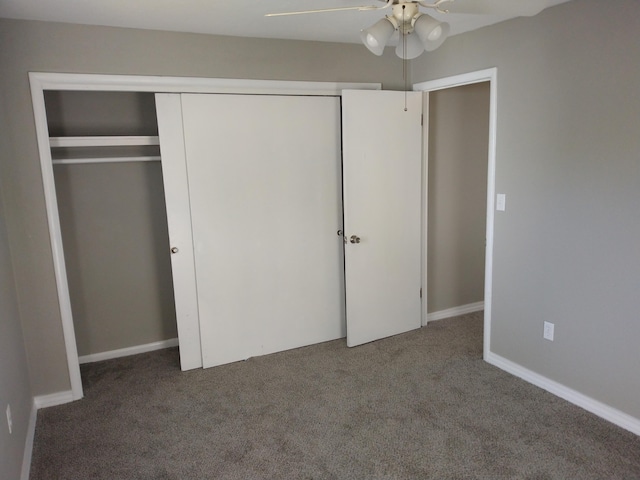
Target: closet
(215, 213)
(108, 182)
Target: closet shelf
(103, 141)
(74, 161)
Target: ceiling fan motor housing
(405, 15)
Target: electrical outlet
(548, 330)
(9, 419)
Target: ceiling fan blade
(361, 8)
(304, 12)
(516, 8)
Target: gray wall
(74, 113)
(457, 195)
(14, 375)
(114, 230)
(54, 47)
(567, 248)
(114, 226)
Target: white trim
(53, 399)
(78, 161)
(424, 272)
(132, 83)
(490, 75)
(157, 84)
(28, 443)
(55, 234)
(600, 409)
(455, 311)
(125, 352)
(103, 141)
(491, 196)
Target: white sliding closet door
(176, 194)
(265, 190)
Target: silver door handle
(354, 239)
(174, 249)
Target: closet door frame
(41, 81)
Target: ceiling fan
(420, 32)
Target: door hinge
(422, 119)
(420, 292)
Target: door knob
(354, 239)
(174, 249)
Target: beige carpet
(416, 406)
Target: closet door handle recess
(174, 249)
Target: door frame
(488, 75)
(41, 81)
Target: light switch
(501, 202)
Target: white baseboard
(455, 311)
(53, 399)
(125, 352)
(594, 406)
(28, 443)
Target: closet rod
(103, 141)
(74, 161)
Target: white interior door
(382, 178)
(176, 192)
(264, 187)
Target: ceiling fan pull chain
(404, 62)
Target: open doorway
(457, 190)
(484, 98)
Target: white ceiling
(243, 18)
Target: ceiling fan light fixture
(432, 33)
(435, 34)
(413, 46)
(375, 37)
